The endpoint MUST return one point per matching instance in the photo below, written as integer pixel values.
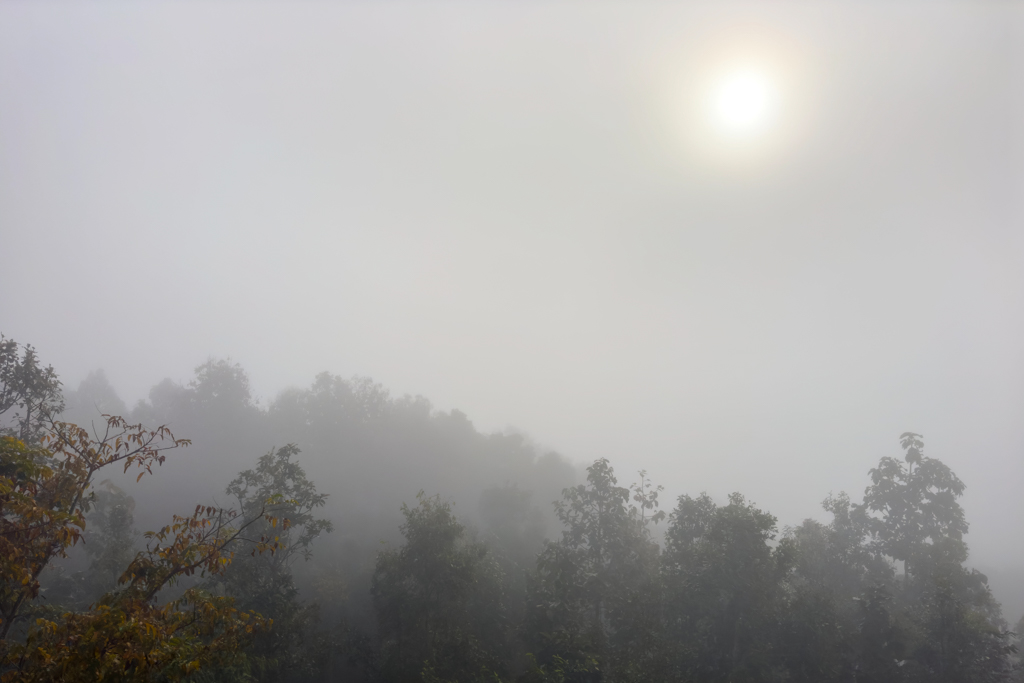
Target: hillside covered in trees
(342, 534)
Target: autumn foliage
(129, 634)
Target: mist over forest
(369, 451)
(548, 342)
(414, 547)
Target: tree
(128, 636)
(219, 385)
(264, 582)
(30, 389)
(723, 591)
(93, 397)
(594, 596)
(439, 602)
(817, 623)
(513, 529)
(45, 493)
(110, 541)
(908, 509)
(882, 637)
(833, 571)
(953, 627)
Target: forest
(339, 533)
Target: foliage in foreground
(46, 491)
(127, 634)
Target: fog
(516, 211)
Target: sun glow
(743, 102)
(740, 101)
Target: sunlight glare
(743, 102)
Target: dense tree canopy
(440, 602)
(588, 589)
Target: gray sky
(521, 210)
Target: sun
(740, 101)
(743, 102)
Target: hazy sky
(523, 210)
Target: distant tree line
(284, 583)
